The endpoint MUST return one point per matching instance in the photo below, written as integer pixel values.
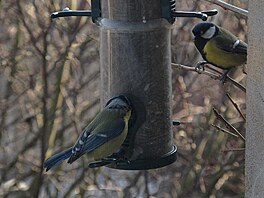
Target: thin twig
(26, 147)
(210, 74)
(212, 68)
(230, 7)
(76, 182)
(223, 130)
(240, 86)
(30, 32)
(236, 106)
(190, 68)
(56, 102)
(234, 149)
(132, 183)
(236, 84)
(147, 193)
(228, 125)
(72, 109)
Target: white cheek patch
(209, 33)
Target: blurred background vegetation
(50, 86)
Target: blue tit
(102, 137)
(218, 46)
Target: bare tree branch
(132, 183)
(215, 76)
(230, 7)
(230, 126)
(234, 149)
(191, 68)
(236, 106)
(223, 130)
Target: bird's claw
(106, 161)
(224, 76)
(200, 66)
(102, 162)
(116, 160)
(97, 164)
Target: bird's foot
(97, 164)
(102, 162)
(106, 161)
(116, 157)
(119, 155)
(200, 66)
(110, 159)
(223, 76)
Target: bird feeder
(135, 60)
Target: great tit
(219, 47)
(102, 137)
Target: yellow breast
(112, 145)
(221, 58)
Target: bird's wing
(239, 47)
(96, 139)
(230, 43)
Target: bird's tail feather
(57, 158)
